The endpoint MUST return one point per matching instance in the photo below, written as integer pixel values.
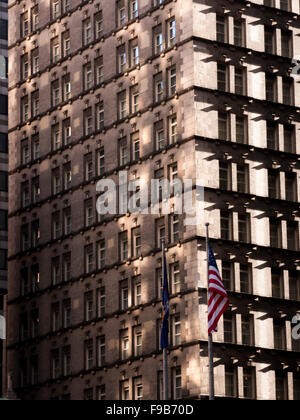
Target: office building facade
(182, 90)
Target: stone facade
(85, 103)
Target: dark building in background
(3, 165)
(180, 89)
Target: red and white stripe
(218, 300)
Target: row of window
(127, 102)
(232, 127)
(242, 233)
(92, 27)
(281, 185)
(239, 36)
(246, 323)
(240, 84)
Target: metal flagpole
(210, 340)
(165, 356)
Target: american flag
(218, 300)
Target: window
(67, 267)
(35, 62)
(158, 88)
(270, 40)
(88, 394)
(274, 184)
(160, 232)
(67, 173)
(66, 43)
(287, 91)
(135, 146)
(275, 234)
(222, 29)
(89, 212)
(86, 31)
(137, 389)
(67, 221)
(123, 246)
(24, 24)
(159, 135)
(89, 259)
(294, 284)
(66, 91)
(272, 136)
(228, 275)
(66, 361)
(172, 81)
(101, 351)
(122, 105)
(101, 393)
(124, 390)
(231, 384)
(240, 81)
(66, 313)
(136, 242)
(89, 354)
(171, 32)
(55, 317)
(55, 50)
(35, 104)
(124, 341)
(134, 99)
(122, 59)
(249, 383)
(225, 176)
(226, 225)
(176, 330)
(25, 158)
(239, 33)
(99, 70)
(224, 126)
(289, 138)
(56, 225)
(88, 121)
(174, 228)
(100, 116)
(241, 128)
(55, 93)
(173, 135)
(292, 236)
(175, 280)
(24, 109)
(243, 178)
(277, 284)
(285, 5)
(24, 282)
(134, 52)
(67, 132)
(229, 328)
(100, 162)
(121, 13)
(247, 330)
(98, 25)
(138, 341)
(55, 364)
(177, 383)
(157, 40)
(124, 295)
(246, 278)
(222, 77)
(24, 66)
(133, 9)
(137, 291)
(286, 43)
(101, 302)
(101, 254)
(281, 386)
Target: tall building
(161, 89)
(3, 167)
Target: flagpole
(165, 355)
(210, 340)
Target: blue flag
(164, 339)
